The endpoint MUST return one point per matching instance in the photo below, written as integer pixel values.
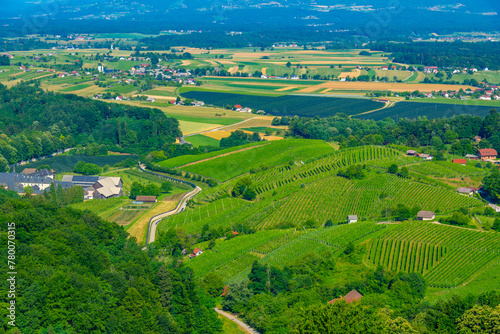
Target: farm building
(487, 154)
(104, 187)
(353, 295)
(195, 253)
(18, 182)
(150, 99)
(425, 215)
(412, 153)
(471, 157)
(352, 219)
(465, 191)
(146, 199)
(460, 161)
(425, 156)
(384, 100)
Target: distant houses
(18, 182)
(426, 215)
(426, 156)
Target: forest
(454, 55)
(34, 123)
(81, 274)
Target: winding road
(153, 222)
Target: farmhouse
(425, 156)
(460, 161)
(384, 100)
(352, 219)
(238, 107)
(146, 199)
(104, 187)
(487, 154)
(412, 153)
(150, 99)
(465, 191)
(195, 253)
(353, 295)
(42, 172)
(425, 215)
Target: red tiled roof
(459, 161)
(353, 295)
(196, 250)
(237, 106)
(486, 152)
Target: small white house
(352, 219)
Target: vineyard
(234, 257)
(335, 198)
(446, 169)
(445, 255)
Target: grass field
(201, 140)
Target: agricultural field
(201, 140)
(289, 104)
(413, 110)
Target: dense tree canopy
(80, 274)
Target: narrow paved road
(234, 319)
(153, 222)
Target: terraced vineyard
(335, 198)
(445, 255)
(282, 175)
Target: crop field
(413, 110)
(383, 86)
(308, 106)
(446, 255)
(65, 163)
